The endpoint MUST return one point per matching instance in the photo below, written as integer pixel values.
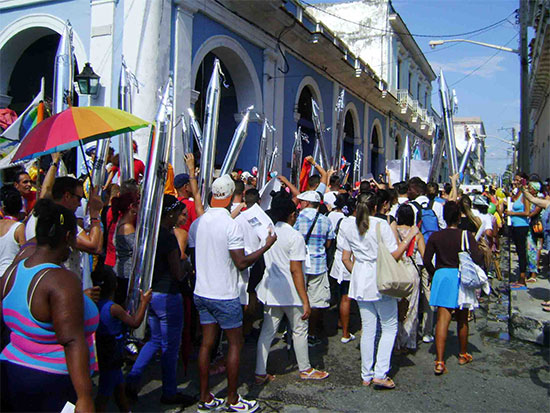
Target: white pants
(384, 310)
(428, 311)
(272, 318)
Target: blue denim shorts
(227, 313)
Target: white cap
(310, 196)
(222, 190)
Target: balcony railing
(405, 100)
(416, 109)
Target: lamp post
(88, 81)
(434, 43)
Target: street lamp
(87, 81)
(434, 43)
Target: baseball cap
(90, 148)
(180, 180)
(480, 201)
(222, 191)
(310, 196)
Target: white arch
(316, 92)
(20, 34)
(241, 68)
(355, 117)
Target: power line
(403, 33)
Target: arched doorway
(349, 137)
(243, 90)
(305, 121)
(228, 105)
(376, 151)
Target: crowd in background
(287, 256)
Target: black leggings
(519, 236)
(29, 390)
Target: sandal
(440, 368)
(313, 374)
(545, 303)
(531, 280)
(367, 383)
(464, 358)
(262, 379)
(385, 383)
(546, 308)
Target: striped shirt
(322, 232)
(33, 343)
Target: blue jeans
(166, 323)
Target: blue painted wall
(203, 29)
(297, 72)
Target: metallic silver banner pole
(186, 138)
(406, 161)
(446, 104)
(357, 166)
(296, 161)
(236, 144)
(151, 201)
(99, 171)
(196, 128)
(315, 112)
(274, 155)
(125, 144)
(63, 71)
(340, 105)
(466, 156)
(437, 155)
(261, 176)
(213, 95)
(316, 157)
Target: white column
(183, 84)
(101, 48)
(333, 131)
(366, 141)
(279, 108)
(146, 49)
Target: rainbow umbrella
(74, 126)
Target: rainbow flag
(31, 119)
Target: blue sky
(491, 92)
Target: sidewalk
(527, 320)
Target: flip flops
(465, 358)
(516, 286)
(313, 374)
(440, 368)
(261, 379)
(385, 383)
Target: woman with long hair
(340, 273)
(51, 353)
(124, 211)
(408, 306)
(534, 239)
(361, 241)
(445, 245)
(468, 221)
(519, 213)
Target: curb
(527, 320)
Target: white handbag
(392, 277)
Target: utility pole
(524, 135)
(514, 153)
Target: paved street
(506, 375)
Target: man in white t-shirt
(219, 256)
(330, 197)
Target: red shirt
(28, 201)
(191, 213)
(139, 170)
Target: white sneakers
(428, 338)
(346, 340)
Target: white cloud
(468, 64)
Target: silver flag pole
(125, 144)
(213, 95)
(63, 71)
(467, 152)
(236, 144)
(446, 104)
(185, 137)
(357, 166)
(261, 176)
(406, 161)
(196, 128)
(319, 134)
(437, 155)
(340, 104)
(296, 161)
(151, 201)
(272, 158)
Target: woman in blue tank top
(51, 350)
(519, 213)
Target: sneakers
(313, 341)
(428, 338)
(242, 405)
(346, 340)
(212, 406)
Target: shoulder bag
(470, 273)
(392, 277)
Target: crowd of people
(286, 257)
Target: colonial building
(539, 87)
(275, 55)
(475, 168)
